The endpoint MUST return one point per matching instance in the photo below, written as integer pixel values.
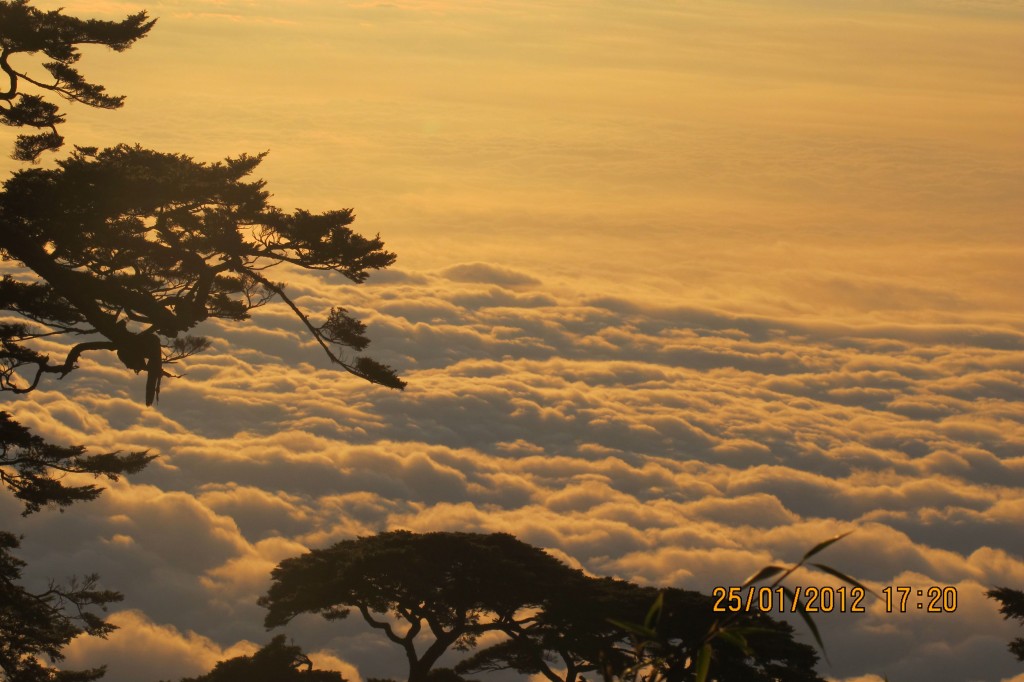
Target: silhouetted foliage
(138, 247)
(33, 625)
(576, 633)
(1011, 606)
(133, 248)
(572, 635)
(446, 675)
(435, 675)
(34, 470)
(451, 587)
(25, 29)
(772, 652)
(276, 662)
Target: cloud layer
(682, 446)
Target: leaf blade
(763, 574)
(823, 545)
(801, 609)
(703, 663)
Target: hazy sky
(682, 288)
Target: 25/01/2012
(807, 599)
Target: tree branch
(12, 88)
(380, 625)
(69, 363)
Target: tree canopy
(449, 587)
(138, 247)
(572, 635)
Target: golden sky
(805, 154)
(664, 268)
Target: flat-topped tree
(133, 248)
(427, 593)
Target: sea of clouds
(667, 445)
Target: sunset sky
(683, 288)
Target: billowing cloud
(169, 653)
(669, 446)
